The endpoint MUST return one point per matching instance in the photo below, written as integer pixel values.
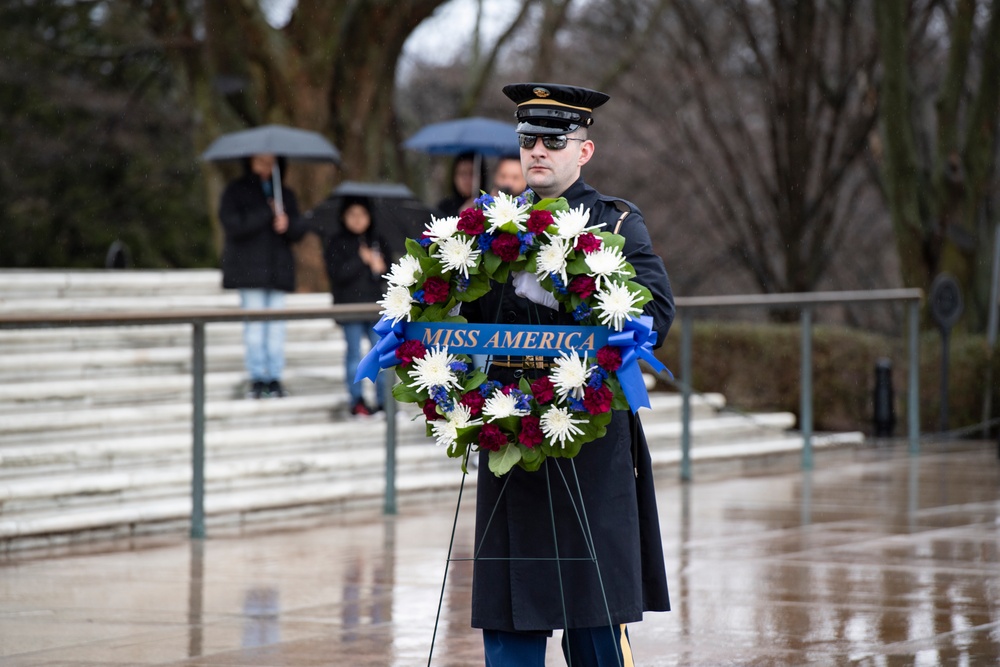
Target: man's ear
(587, 149)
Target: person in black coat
(463, 185)
(257, 260)
(519, 592)
(356, 258)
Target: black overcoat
(614, 474)
(254, 256)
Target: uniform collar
(580, 193)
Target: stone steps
(95, 423)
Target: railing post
(805, 400)
(198, 430)
(387, 378)
(686, 327)
(913, 398)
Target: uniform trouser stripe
(626, 648)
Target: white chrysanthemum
(434, 370)
(446, 430)
(441, 228)
(500, 405)
(570, 374)
(615, 304)
(559, 426)
(570, 224)
(404, 272)
(456, 254)
(605, 263)
(505, 209)
(551, 258)
(396, 303)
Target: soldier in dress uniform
(534, 574)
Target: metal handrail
(806, 302)
(198, 318)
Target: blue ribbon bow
(383, 354)
(636, 340)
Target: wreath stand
(581, 516)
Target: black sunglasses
(554, 142)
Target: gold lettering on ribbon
(431, 339)
(546, 342)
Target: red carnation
(543, 390)
(597, 401)
(491, 437)
(539, 221)
(583, 286)
(472, 221)
(587, 242)
(410, 350)
(436, 290)
(474, 401)
(430, 410)
(531, 431)
(609, 358)
(506, 246)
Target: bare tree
(940, 98)
(776, 117)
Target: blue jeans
(353, 332)
(264, 341)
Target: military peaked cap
(552, 108)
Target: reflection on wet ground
(881, 559)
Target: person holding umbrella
(260, 220)
(463, 184)
(356, 258)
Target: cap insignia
(541, 92)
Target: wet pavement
(875, 558)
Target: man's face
(550, 172)
(508, 177)
(261, 164)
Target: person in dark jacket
(356, 258)
(257, 260)
(611, 568)
(463, 185)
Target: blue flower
(484, 200)
(462, 284)
(488, 388)
(582, 312)
(526, 239)
(440, 396)
(558, 283)
(458, 367)
(527, 197)
(485, 241)
(597, 377)
(418, 296)
(425, 241)
(576, 404)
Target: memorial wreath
(594, 366)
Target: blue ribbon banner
(636, 340)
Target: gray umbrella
(287, 142)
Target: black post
(945, 339)
(884, 402)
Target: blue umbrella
(482, 136)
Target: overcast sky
(439, 38)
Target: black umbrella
(288, 142)
(398, 212)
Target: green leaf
(490, 263)
(612, 240)
(415, 249)
(479, 286)
(474, 380)
(502, 273)
(502, 460)
(531, 459)
(552, 205)
(405, 394)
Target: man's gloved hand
(526, 285)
